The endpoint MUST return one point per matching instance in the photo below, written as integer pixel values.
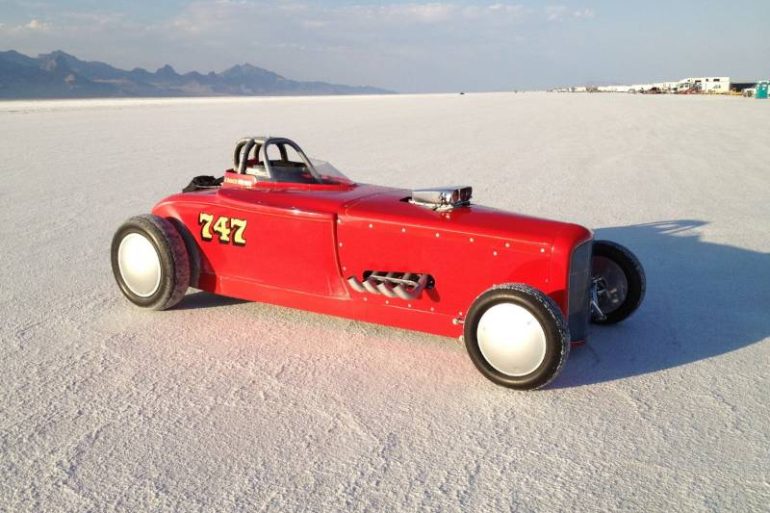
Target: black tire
(617, 308)
(173, 262)
(193, 251)
(545, 311)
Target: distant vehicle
(689, 88)
(282, 228)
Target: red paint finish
(303, 241)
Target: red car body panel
(303, 242)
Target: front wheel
(618, 283)
(516, 336)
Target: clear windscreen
(328, 172)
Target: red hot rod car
(284, 229)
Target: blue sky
(409, 45)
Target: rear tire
(150, 262)
(516, 336)
(621, 280)
(193, 251)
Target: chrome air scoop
(442, 198)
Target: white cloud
(37, 25)
(201, 16)
(438, 13)
(562, 12)
(311, 24)
(584, 14)
(33, 26)
(555, 12)
(421, 13)
(506, 8)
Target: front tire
(516, 336)
(150, 262)
(619, 280)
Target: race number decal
(224, 229)
(239, 225)
(205, 220)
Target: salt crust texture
(221, 405)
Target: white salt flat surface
(222, 405)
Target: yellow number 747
(223, 226)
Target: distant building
(739, 87)
(712, 85)
(705, 84)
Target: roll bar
(260, 144)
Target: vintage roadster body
(284, 229)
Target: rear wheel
(193, 251)
(150, 262)
(619, 283)
(517, 337)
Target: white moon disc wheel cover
(139, 264)
(511, 339)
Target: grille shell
(579, 306)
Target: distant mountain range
(60, 75)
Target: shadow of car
(703, 300)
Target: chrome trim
(139, 264)
(442, 198)
(596, 310)
(371, 286)
(511, 339)
(390, 285)
(386, 289)
(609, 284)
(355, 285)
